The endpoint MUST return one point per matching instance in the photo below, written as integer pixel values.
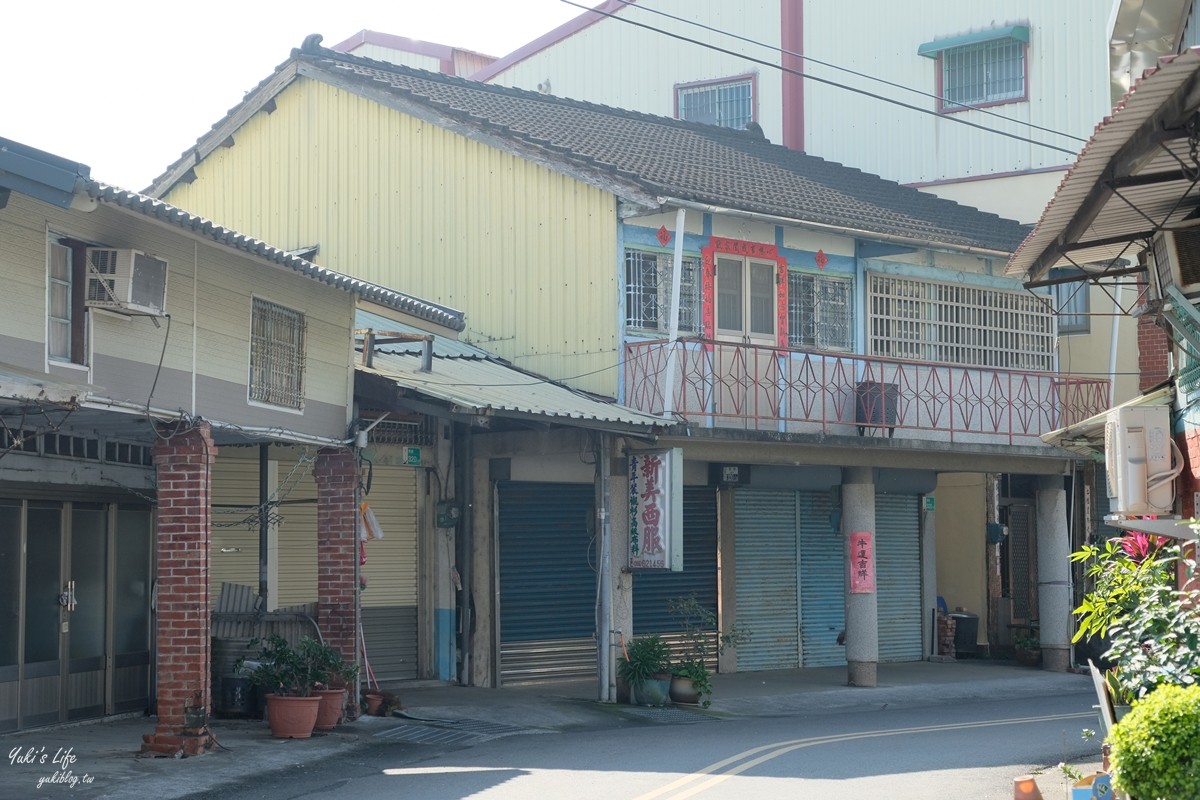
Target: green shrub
(1156, 746)
(644, 657)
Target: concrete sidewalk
(101, 759)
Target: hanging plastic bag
(368, 525)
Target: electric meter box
(1137, 452)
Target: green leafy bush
(644, 657)
(1156, 746)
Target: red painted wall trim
(791, 26)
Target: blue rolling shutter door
(898, 576)
(822, 582)
(547, 581)
(765, 552)
(653, 589)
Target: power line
(884, 81)
(811, 77)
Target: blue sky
(125, 86)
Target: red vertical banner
(862, 563)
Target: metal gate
(767, 578)
(898, 576)
(822, 582)
(654, 589)
(547, 577)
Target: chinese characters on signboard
(656, 509)
(862, 563)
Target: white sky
(125, 86)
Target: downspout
(264, 525)
(1112, 345)
(604, 621)
(673, 325)
(464, 487)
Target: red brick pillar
(336, 475)
(1153, 347)
(182, 622)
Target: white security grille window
(989, 72)
(276, 355)
(958, 324)
(729, 105)
(820, 312)
(648, 292)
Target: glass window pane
(131, 610)
(60, 339)
(43, 583)
(762, 298)
(10, 582)
(60, 262)
(89, 534)
(729, 295)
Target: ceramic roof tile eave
(879, 206)
(1141, 102)
(177, 217)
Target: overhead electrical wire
(848, 71)
(811, 77)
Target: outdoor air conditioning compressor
(1138, 452)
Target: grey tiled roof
(698, 163)
(650, 156)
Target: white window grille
(276, 355)
(648, 291)
(729, 104)
(987, 72)
(820, 312)
(958, 324)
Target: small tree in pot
(289, 675)
(702, 643)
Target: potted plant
(691, 680)
(1120, 692)
(1027, 649)
(1154, 746)
(289, 676)
(338, 675)
(645, 666)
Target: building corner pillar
(862, 610)
(336, 476)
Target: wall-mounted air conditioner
(1176, 262)
(126, 281)
(1138, 456)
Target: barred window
(988, 72)
(648, 292)
(729, 104)
(276, 355)
(959, 324)
(820, 312)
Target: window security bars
(820, 312)
(988, 72)
(277, 355)
(648, 292)
(729, 105)
(956, 324)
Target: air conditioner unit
(1137, 452)
(126, 281)
(1176, 262)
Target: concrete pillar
(183, 627)
(1054, 573)
(620, 578)
(862, 611)
(336, 475)
(929, 589)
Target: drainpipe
(264, 524)
(673, 325)
(464, 488)
(604, 621)
(1112, 345)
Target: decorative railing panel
(729, 385)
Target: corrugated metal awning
(1087, 437)
(28, 386)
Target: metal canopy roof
(1136, 175)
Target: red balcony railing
(729, 385)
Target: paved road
(969, 750)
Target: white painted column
(928, 577)
(1054, 573)
(862, 610)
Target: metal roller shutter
(652, 590)
(547, 581)
(822, 582)
(389, 603)
(898, 576)
(766, 590)
(234, 546)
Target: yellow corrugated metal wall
(529, 254)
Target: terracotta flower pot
(292, 717)
(374, 701)
(330, 713)
(683, 690)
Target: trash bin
(966, 632)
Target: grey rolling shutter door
(547, 581)
(652, 590)
(898, 576)
(822, 582)
(390, 602)
(766, 579)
